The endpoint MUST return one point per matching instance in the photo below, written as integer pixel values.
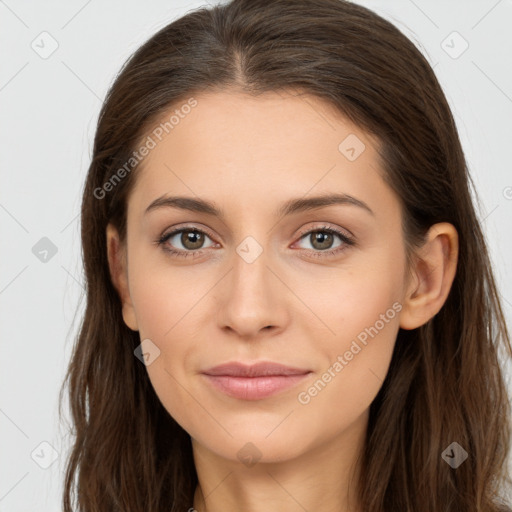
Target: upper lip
(260, 369)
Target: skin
(248, 155)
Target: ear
(117, 261)
(432, 276)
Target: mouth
(256, 381)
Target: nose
(253, 298)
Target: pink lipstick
(254, 381)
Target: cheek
(168, 309)
(355, 296)
(164, 298)
(366, 304)
(363, 310)
(169, 306)
(357, 363)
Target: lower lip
(254, 388)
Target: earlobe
(116, 253)
(434, 272)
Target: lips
(254, 382)
(261, 369)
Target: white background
(49, 109)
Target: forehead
(257, 150)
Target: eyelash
(347, 241)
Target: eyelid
(186, 227)
(327, 226)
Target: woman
(290, 304)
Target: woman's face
(263, 280)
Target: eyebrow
(289, 207)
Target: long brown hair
(444, 383)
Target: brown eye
(192, 239)
(321, 240)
